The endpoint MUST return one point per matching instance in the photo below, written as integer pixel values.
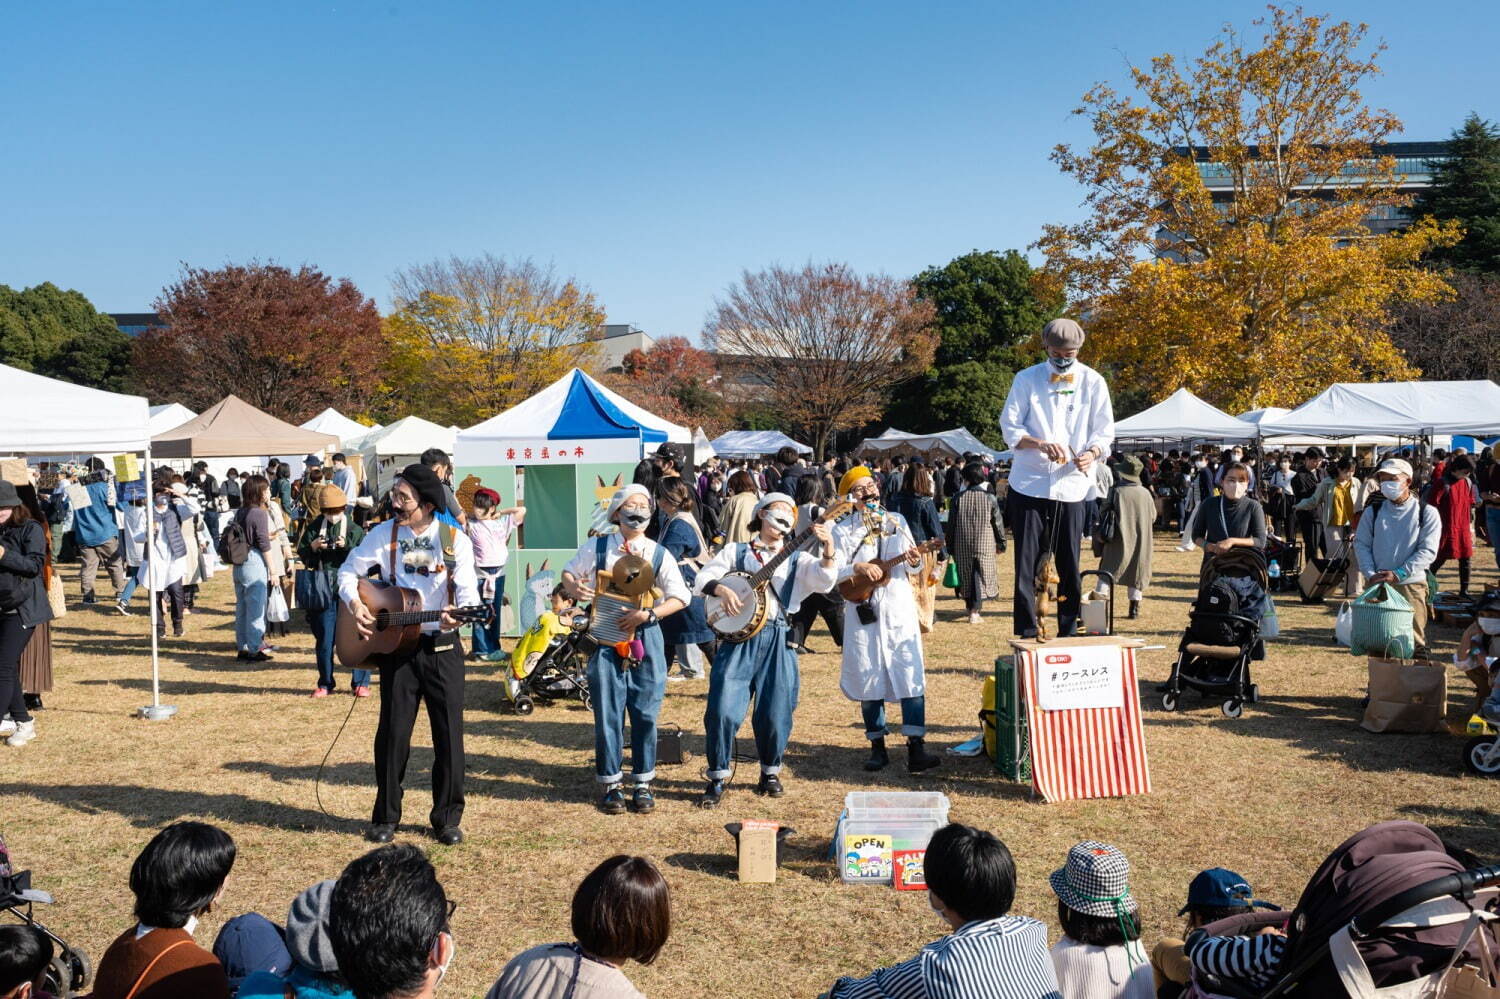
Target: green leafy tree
(1466, 189)
(988, 311)
(61, 335)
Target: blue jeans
(487, 636)
(131, 584)
(1492, 524)
(913, 718)
(323, 624)
(636, 692)
(763, 668)
(250, 604)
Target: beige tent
(234, 428)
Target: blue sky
(652, 150)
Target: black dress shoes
(380, 832)
(448, 835)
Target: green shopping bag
(950, 575)
(1382, 624)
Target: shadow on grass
(183, 688)
(152, 808)
(1470, 828)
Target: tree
(470, 338)
(674, 380)
(824, 344)
(1455, 339)
(289, 342)
(987, 310)
(1266, 285)
(1466, 189)
(59, 334)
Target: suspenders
(784, 593)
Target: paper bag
(1406, 696)
(758, 852)
(14, 471)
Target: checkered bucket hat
(1095, 880)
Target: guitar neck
(765, 572)
(402, 619)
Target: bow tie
(1064, 379)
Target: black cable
(318, 781)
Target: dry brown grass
(1267, 795)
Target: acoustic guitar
(858, 589)
(398, 623)
(751, 587)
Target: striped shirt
(1004, 958)
(1243, 960)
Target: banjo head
(632, 576)
(742, 625)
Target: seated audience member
(621, 913)
(1250, 962)
(1213, 895)
(314, 970)
(1480, 644)
(1100, 921)
(251, 943)
(178, 878)
(25, 952)
(971, 882)
(388, 924)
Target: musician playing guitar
(414, 550)
(765, 665)
(619, 686)
(882, 638)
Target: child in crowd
(549, 625)
(1477, 654)
(25, 952)
(490, 529)
(1098, 956)
(314, 971)
(1214, 894)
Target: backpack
(1218, 597)
(234, 546)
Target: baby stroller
(1223, 633)
(69, 973)
(558, 672)
(1387, 913)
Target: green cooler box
(1012, 741)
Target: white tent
(1183, 416)
(956, 442)
(331, 421)
(703, 448)
(1407, 409)
(755, 443)
(169, 415)
(1274, 440)
(391, 448)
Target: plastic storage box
(876, 824)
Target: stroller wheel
(525, 705)
(1482, 755)
(1232, 708)
(1254, 694)
(1169, 702)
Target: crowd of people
(382, 929)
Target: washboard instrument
(629, 586)
(751, 587)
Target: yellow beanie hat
(852, 476)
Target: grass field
(1268, 794)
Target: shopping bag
(78, 497)
(56, 599)
(276, 608)
(1406, 696)
(950, 575)
(1343, 624)
(1468, 981)
(1382, 624)
(313, 591)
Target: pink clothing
(491, 538)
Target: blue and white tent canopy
(754, 444)
(575, 420)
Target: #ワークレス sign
(1081, 677)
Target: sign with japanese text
(1085, 677)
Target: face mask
(1234, 489)
(1200, 463)
(635, 520)
(1286, 466)
(1391, 490)
(1237, 456)
(1490, 625)
(1061, 363)
(334, 518)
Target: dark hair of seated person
(25, 952)
(621, 910)
(1097, 931)
(971, 871)
(385, 916)
(180, 872)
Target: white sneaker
(1187, 547)
(7, 727)
(25, 732)
(974, 617)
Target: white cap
(770, 498)
(624, 493)
(1398, 466)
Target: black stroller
(1223, 633)
(69, 973)
(559, 672)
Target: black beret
(425, 483)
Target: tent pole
(156, 710)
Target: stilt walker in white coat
(882, 640)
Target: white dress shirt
(1076, 414)
(414, 552)
(668, 580)
(812, 576)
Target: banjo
(751, 587)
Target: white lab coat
(882, 661)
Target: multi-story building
(135, 323)
(618, 339)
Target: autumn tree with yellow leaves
(1262, 285)
(472, 337)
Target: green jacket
(328, 559)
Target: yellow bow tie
(1064, 379)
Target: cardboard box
(757, 841)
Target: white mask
(1391, 490)
(1233, 488)
(1489, 625)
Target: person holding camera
(325, 543)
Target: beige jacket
(547, 972)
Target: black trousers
(832, 610)
(434, 676)
(1312, 534)
(13, 638)
(1032, 521)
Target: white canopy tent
(703, 448)
(395, 446)
(1268, 439)
(755, 444)
(169, 415)
(348, 431)
(1405, 409)
(1183, 416)
(46, 416)
(956, 442)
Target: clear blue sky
(651, 149)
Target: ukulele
(858, 589)
(398, 623)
